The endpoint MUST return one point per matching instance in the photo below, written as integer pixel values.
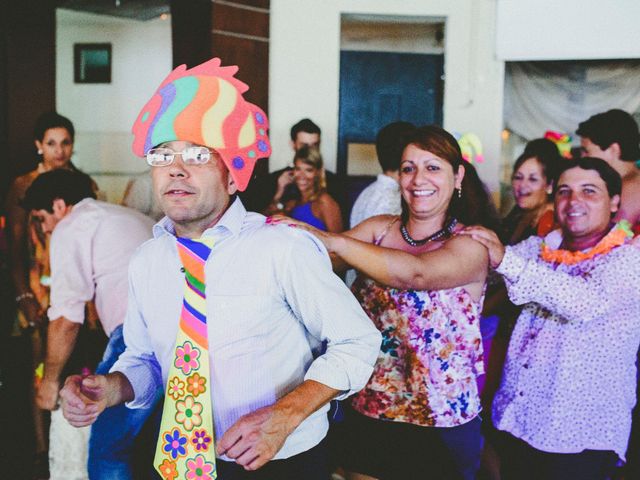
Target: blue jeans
(114, 432)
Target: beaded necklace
(442, 233)
(616, 237)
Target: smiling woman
(422, 285)
(314, 205)
(532, 181)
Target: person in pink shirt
(91, 244)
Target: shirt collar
(231, 222)
(84, 201)
(553, 239)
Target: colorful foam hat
(562, 141)
(470, 146)
(204, 105)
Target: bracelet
(24, 295)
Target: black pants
(309, 465)
(402, 451)
(520, 461)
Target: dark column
(27, 80)
(191, 31)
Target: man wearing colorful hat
(224, 311)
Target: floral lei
(616, 237)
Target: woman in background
(314, 205)
(532, 182)
(53, 136)
(29, 254)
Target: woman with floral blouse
(422, 284)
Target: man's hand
(47, 397)
(83, 399)
(490, 240)
(256, 437)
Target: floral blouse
(430, 356)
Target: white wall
(104, 113)
(568, 29)
(305, 57)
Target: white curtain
(541, 96)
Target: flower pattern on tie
(430, 356)
(186, 444)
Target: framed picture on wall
(92, 62)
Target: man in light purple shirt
(569, 381)
(91, 245)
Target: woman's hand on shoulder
(325, 237)
(489, 239)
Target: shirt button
(182, 269)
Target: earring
(39, 151)
(460, 192)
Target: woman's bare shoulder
(381, 219)
(466, 247)
(325, 199)
(371, 228)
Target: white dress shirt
(382, 197)
(268, 289)
(569, 380)
(89, 252)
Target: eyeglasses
(162, 157)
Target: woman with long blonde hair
(313, 205)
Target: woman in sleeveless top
(313, 205)
(422, 285)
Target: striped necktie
(186, 447)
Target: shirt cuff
(145, 379)
(512, 265)
(322, 370)
(72, 311)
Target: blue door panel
(377, 88)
